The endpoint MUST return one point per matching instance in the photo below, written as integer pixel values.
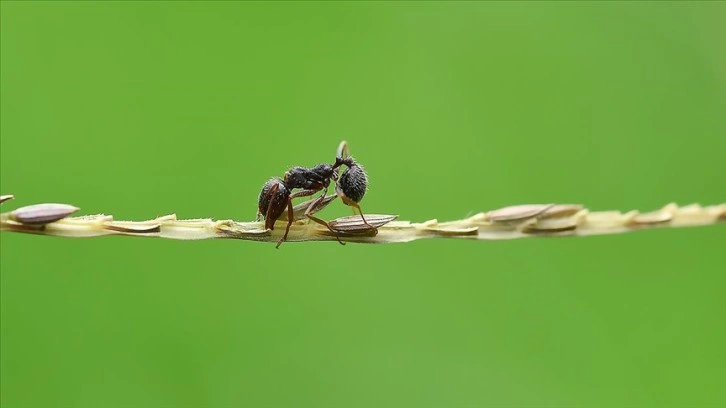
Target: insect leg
(355, 205)
(269, 221)
(310, 215)
(290, 212)
(289, 223)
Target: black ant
(277, 194)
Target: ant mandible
(277, 194)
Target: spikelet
(521, 221)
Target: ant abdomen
(272, 201)
(352, 184)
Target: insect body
(276, 194)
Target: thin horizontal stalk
(523, 221)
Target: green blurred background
(145, 109)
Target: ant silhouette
(277, 193)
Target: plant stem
(539, 220)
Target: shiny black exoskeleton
(277, 193)
(272, 201)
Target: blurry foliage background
(145, 109)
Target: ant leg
(289, 223)
(269, 222)
(312, 206)
(361, 215)
(354, 206)
(319, 221)
(290, 212)
(304, 193)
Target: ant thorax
(317, 177)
